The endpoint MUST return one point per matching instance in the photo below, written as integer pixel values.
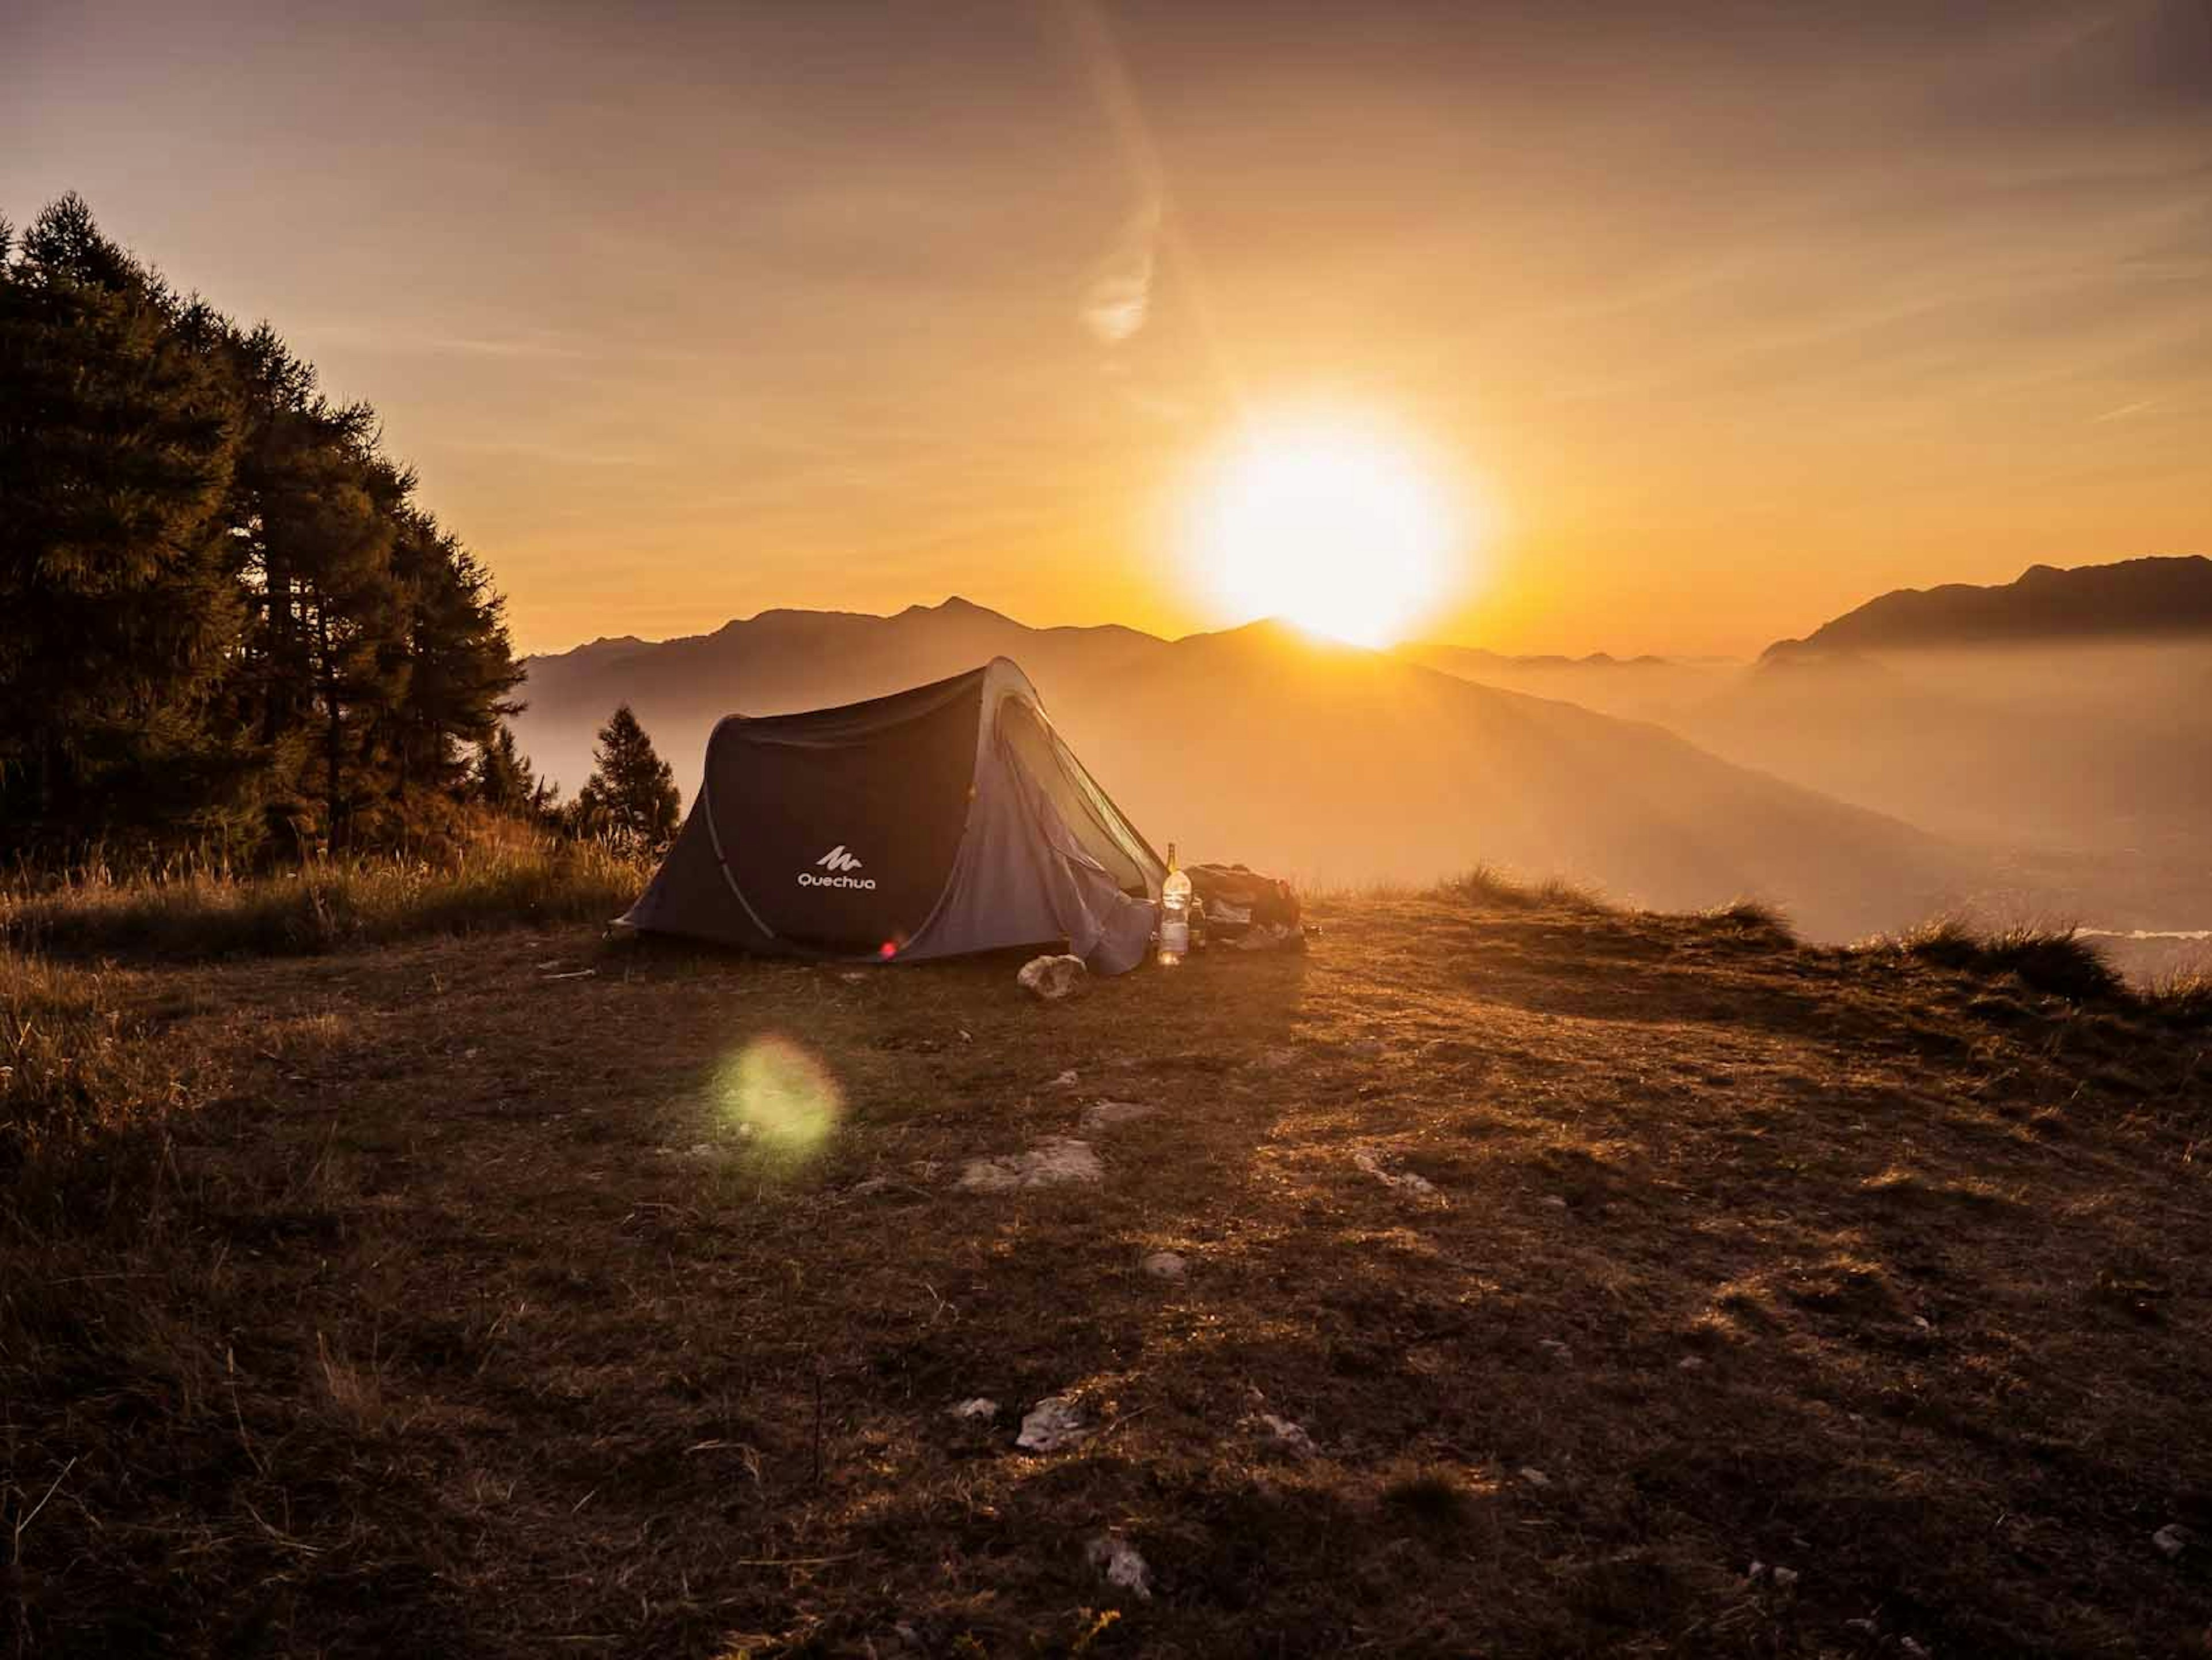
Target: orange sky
(696, 310)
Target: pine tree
(505, 783)
(119, 591)
(220, 608)
(630, 797)
(460, 665)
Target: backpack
(1235, 902)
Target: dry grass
(2055, 960)
(76, 1061)
(462, 1314)
(199, 910)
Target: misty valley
(1863, 786)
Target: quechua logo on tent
(841, 865)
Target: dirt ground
(1552, 1283)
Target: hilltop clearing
(1499, 1276)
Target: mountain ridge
(2154, 597)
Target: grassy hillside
(1543, 1270)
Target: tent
(948, 818)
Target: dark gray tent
(944, 819)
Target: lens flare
(780, 1097)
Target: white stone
(1555, 1348)
(982, 1409)
(1165, 1265)
(1117, 1559)
(1053, 1162)
(1289, 1434)
(1051, 978)
(1067, 1080)
(1405, 1180)
(2174, 1539)
(1054, 1422)
(1533, 1477)
(1689, 1363)
(1785, 1578)
(1106, 1114)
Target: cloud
(1120, 297)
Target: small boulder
(1288, 1435)
(979, 1410)
(1405, 1180)
(1053, 979)
(1117, 1559)
(1054, 1422)
(2172, 1539)
(1067, 1080)
(1108, 1115)
(1166, 1265)
(1053, 1162)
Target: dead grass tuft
(75, 1061)
(2056, 960)
(1487, 885)
(1755, 918)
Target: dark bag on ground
(1238, 906)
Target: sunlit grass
(196, 909)
(72, 1061)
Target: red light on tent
(888, 950)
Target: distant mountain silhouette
(1315, 759)
(1646, 688)
(2135, 598)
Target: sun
(1327, 522)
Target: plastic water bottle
(1174, 913)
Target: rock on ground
(1053, 1162)
(1288, 1434)
(1106, 1114)
(1405, 1180)
(981, 1408)
(1165, 1265)
(1054, 1422)
(1053, 978)
(1117, 1559)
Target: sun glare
(1327, 524)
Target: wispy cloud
(1120, 297)
(2126, 409)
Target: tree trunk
(334, 730)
